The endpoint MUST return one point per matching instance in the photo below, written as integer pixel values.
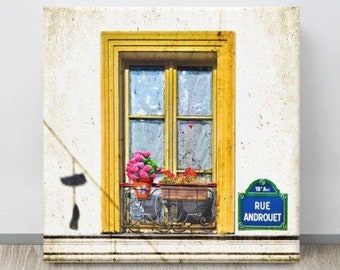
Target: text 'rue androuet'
(260, 216)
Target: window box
(185, 192)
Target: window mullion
(167, 119)
(143, 117)
(174, 119)
(195, 117)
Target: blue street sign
(262, 207)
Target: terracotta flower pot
(142, 190)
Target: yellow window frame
(118, 47)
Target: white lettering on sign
(272, 217)
(262, 205)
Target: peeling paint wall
(267, 100)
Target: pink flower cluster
(141, 168)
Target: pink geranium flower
(132, 177)
(139, 164)
(138, 157)
(147, 168)
(141, 167)
(142, 174)
(146, 154)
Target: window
(170, 112)
(148, 99)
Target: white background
(21, 97)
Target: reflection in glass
(146, 90)
(195, 91)
(148, 135)
(194, 147)
(205, 176)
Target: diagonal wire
(76, 161)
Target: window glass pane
(148, 135)
(194, 144)
(146, 90)
(206, 176)
(194, 90)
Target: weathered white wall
(267, 84)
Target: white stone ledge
(169, 250)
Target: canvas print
(171, 134)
